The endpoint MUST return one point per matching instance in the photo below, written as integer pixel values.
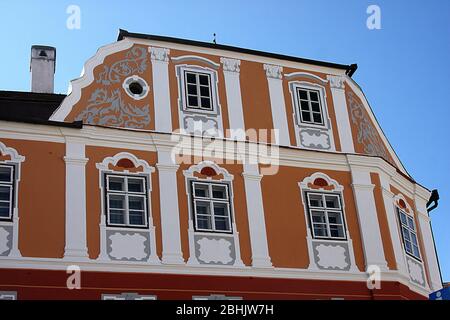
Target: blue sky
(404, 68)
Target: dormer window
(310, 109)
(198, 90)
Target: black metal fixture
(433, 202)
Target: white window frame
(412, 232)
(127, 296)
(216, 297)
(198, 95)
(11, 185)
(310, 110)
(126, 194)
(182, 87)
(325, 211)
(211, 201)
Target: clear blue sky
(404, 68)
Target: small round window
(135, 87)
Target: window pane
(4, 209)
(204, 222)
(334, 217)
(116, 218)
(411, 223)
(337, 231)
(320, 230)
(5, 174)
(203, 207)
(219, 192)
(416, 251)
(206, 103)
(190, 77)
(317, 118)
(303, 95)
(136, 203)
(117, 201)
(406, 234)
(408, 246)
(318, 216)
(304, 105)
(306, 116)
(414, 238)
(221, 209)
(204, 91)
(314, 95)
(332, 202)
(315, 106)
(403, 217)
(135, 185)
(204, 79)
(116, 183)
(5, 193)
(201, 190)
(315, 200)
(222, 223)
(192, 101)
(136, 218)
(192, 89)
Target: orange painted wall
(41, 198)
(93, 195)
(382, 220)
(285, 218)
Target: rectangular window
(126, 200)
(326, 216)
(310, 108)
(409, 234)
(198, 90)
(211, 206)
(6, 191)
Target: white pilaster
(391, 214)
(428, 251)
(342, 118)
(76, 245)
(257, 224)
(231, 71)
(274, 78)
(367, 215)
(170, 214)
(161, 92)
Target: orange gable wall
(365, 135)
(255, 98)
(93, 195)
(290, 107)
(87, 92)
(41, 198)
(285, 217)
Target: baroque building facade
(177, 169)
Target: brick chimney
(42, 68)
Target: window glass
(409, 234)
(326, 215)
(5, 174)
(211, 207)
(116, 183)
(198, 90)
(310, 110)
